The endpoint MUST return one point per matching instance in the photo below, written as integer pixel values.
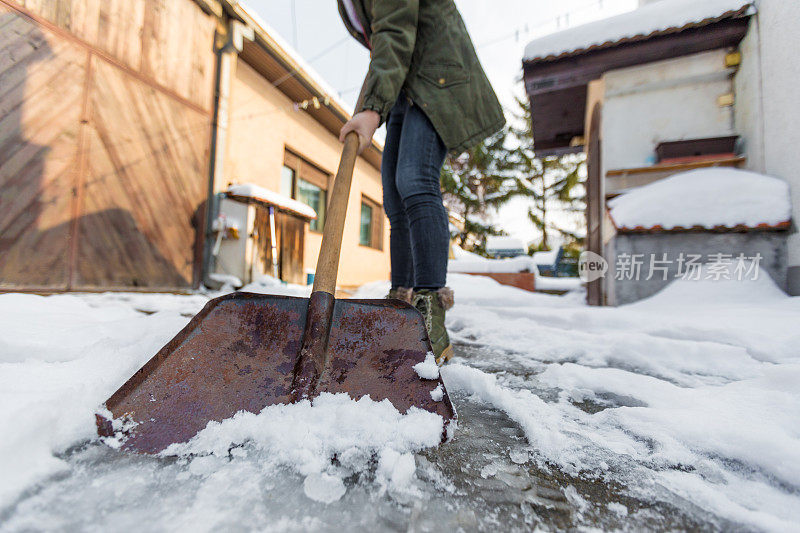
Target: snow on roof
(710, 198)
(304, 69)
(547, 257)
(504, 242)
(522, 263)
(461, 254)
(258, 193)
(662, 17)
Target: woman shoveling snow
(426, 84)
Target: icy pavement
(680, 412)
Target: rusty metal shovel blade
(243, 352)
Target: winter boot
(401, 293)
(432, 305)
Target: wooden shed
(106, 122)
(114, 127)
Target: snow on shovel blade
(241, 352)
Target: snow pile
(681, 201)
(229, 281)
(427, 369)
(683, 405)
(266, 284)
(545, 258)
(692, 391)
(504, 243)
(711, 293)
(523, 263)
(250, 190)
(655, 17)
(307, 436)
(566, 284)
(60, 357)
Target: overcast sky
(499, 28)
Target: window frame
(311, 173)
(376, 237)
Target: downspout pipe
(226, 54)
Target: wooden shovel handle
(328, 262)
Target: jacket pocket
(444, 75)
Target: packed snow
(427, 369)
(306, 436)
(504, 243)
(522, 263)
(653, 17)
(740, 197)
(681, 411)
(250, 190)
(465, 262)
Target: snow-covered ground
(681, 411)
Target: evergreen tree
(474, 184)
(480, 181)
(553, 183)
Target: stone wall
(771, 245)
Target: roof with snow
(281, 65)
(558, 68)
(546, 258)
(504, 242)
(656, 19)
(256, 193)
(717, 199)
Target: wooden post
(273, 242)
(595, 203)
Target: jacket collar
(360, 10)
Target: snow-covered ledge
(666, 230)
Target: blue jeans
(412, 198)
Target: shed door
(291, 242)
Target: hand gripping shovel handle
(313, 352)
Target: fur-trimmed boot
(432, 305)
(401, 293)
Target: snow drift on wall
(705, 198)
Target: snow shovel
(246, 351)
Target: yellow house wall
(262, 124)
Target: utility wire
(525, 29)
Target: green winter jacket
(422, 47)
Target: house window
(304, 181)
(371, 224)
(287, 181)
(312, 195)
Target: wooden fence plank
(169, 42)
(146, 178)
(40, 94)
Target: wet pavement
(485, 479)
